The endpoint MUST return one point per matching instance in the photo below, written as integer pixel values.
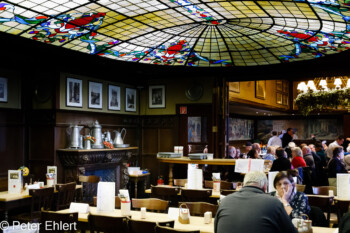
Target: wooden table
(136, 178)
(197, 223)
(187, 160)
(213, 194)
(12, 201)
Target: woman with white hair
(298, 160)
(289, 148)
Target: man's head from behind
(256, 179)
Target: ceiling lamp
(337, 83)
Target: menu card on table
(272, 176)
(343, 186)
(247, 165)
(15, 182)
(53, 169)
(106, 196)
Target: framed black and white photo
(3, 89)
(113, 97)
(74, 92)
(130, 100)
(95, 95)
(156, 96)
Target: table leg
(171, 174)
(135, 187)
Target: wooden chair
(166, 193)
(180, 182)
(65, 195)
(41, 200)
(107, 224)
(152, 204)
(53, 217)
(324, 190)
(342, 207)
(208, 184)
(90, 188)
(139, 226)
(226, 192)
(199, 208)
(117, 202)
(160, 229)
(195, 195)
(300, 187)
(223, 184)
(324, 203)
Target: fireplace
(109, 164)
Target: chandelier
(323, 94)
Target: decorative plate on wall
(194, 92)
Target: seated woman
(295, 203)
(336, 164)
(253, 154)
(298, 160)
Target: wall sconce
(337, 83)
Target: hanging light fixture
(311, 85)
(302, 87)
(337, 83)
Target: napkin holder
(184, 214)
(81, 208)
(125, 207)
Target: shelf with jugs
(96, 139)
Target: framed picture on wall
(95, 95)
(3, 89)
(130, 100)
(74, 92)
(260, 89)
(234, 87)
(113, 98)
(156, 96)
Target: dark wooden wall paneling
(11, 143)
(159, 134)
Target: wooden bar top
(94, 150)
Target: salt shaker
(207, 217)
(143, 212)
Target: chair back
(117, 202)
(342, 207)
(107, 224)
(180, 182)
(195, 195)
(324, 190)
(300, 187)
(54, 217)
(226, 192)
(323, 202)
(208, 184)
(166, 193)
(199, 208)
(89, 187)
(41, 199)
(226, 185)
(65, 195)
(139, 226)
(152, 204)
(160, 229)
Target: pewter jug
(74, 134)
(96, 132)
(119, 139)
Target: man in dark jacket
(251, 210)
(287, 137)
(281, 163)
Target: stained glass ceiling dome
(205, 33)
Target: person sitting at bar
(338, 142)
(270, 153)
(253, 154)
(287, 137)
(298, 160)
(336, 164)
(281, 163)
(274, 140)
(295, 203)
(258, 212)
(309, 159)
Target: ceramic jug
(119, 139)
